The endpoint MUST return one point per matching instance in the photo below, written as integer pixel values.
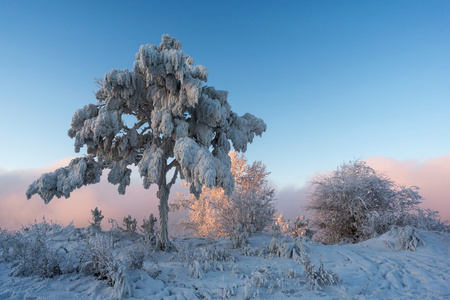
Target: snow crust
(265, 268)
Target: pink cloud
(16, 210)
(431, 176)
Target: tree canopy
(179, 124)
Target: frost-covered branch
(79, 172)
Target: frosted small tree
(249, 208)
(149, 226)
(129, 224)
(301, 227)
(180, 127)
(97, 218)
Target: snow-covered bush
(136, 258)
(239, 238)
(97, 218)
(129, 224)
(181, 127)
(204, 259)
(316, 277)
(10, 241)
(356, 203)
(249, 208)
(281, 227)
(297, 250)
(99, 261)
(31, 253)
(115, 231)
(300, 227)
(410, 238)
(427, 219)
(35, 258)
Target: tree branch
(174, 178)
(173, 163)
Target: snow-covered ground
(266, 268)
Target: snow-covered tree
(181, 127)
(356, 202)
(249, 208)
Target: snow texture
(79, 263)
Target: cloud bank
(431, 176)
(16, 210)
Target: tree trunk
(163, 195)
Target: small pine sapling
(97, 218)
(130, 224)
(149, 226)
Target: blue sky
(333, 80)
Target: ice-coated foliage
(248, 209)
(180, 124)
(357, 203)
